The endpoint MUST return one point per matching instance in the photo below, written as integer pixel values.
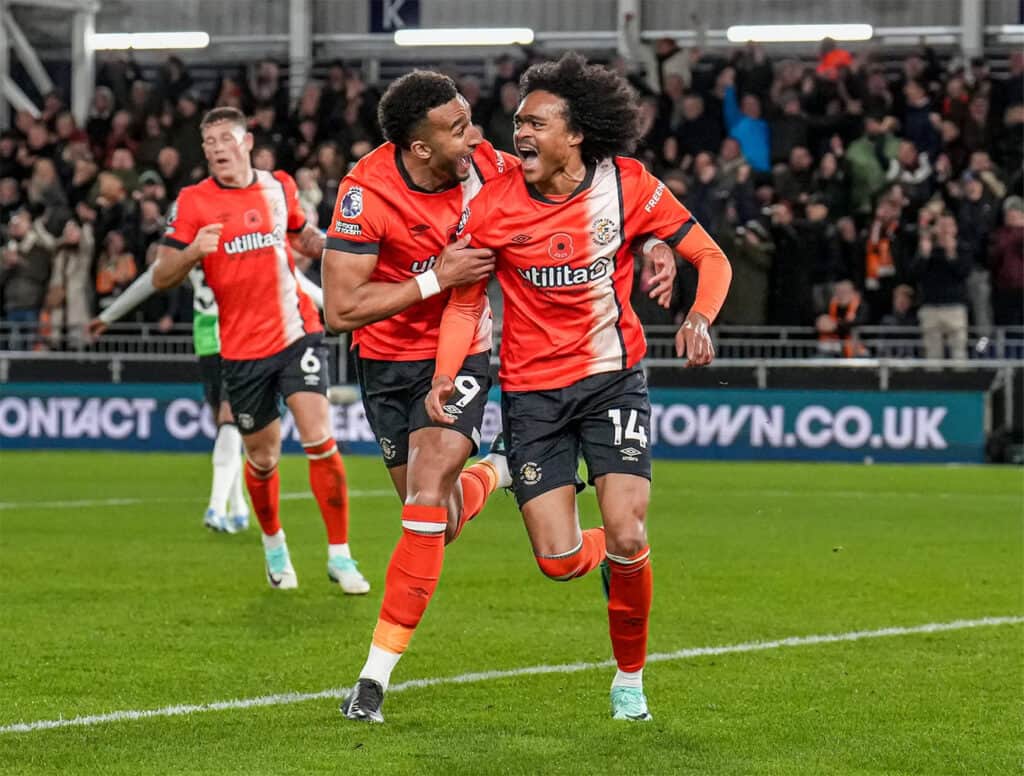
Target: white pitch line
(127, 502)
(484, 676)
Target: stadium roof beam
(972, 27)
(300, 45)
(27, 54)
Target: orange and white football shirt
(566, 270)
(252, 272)
(380, 210)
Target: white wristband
(427, 281)
(649, 245)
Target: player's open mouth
(529, 156)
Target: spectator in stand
(263, 87)
(790, 302)
(821, 241)
(45, 195)
(174, 80)
(831, 183)
(832, 60)
(310, 194)
(837, 326)
(1006, 258)
(69, 298)
(921, 123)
(882, 260)
(24, 274)
(97, 126)
(115, 210)
(795, 181)
(302, 144)
(151, 186)
(264, 158)
(168, 165)
(699, 129)
(868, 158)
(185, 135)
(914, 173)
(122, 164)
(750, 251)
(500, 126)
(978, 216)
(744, 122)
(903, 316)
(941, 271)
(266, 129)
(154, 137)
(789, 129)
(977, 131)
(116, 268)
(10, 199)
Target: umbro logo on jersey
(254, 241)
(520, 239)
(564, 275)
(419, 228)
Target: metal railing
(742, 343)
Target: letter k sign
(391, 15)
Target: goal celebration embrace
(387, 390)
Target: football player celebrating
(241, 226)
(571, 342)
(391, 259)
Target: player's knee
(263, 459)
(427, 496)
(560, 569)
(627, 541)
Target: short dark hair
(600, 104)
(217, 115)
(407, 101)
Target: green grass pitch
(133, 606)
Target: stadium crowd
(846, 191)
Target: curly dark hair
(600, 104)
(408, 100)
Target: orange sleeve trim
(458, 328)
(714, 274)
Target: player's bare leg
(262, 453)
(312, 415)
(563, 551)
(433, 513)
(624, 499)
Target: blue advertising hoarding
(722, 424)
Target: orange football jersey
(566, 269)
(380, 210)
(262, 308)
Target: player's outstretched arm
(173, 265)
(352, 300)
(714, 275)
(458, 329)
